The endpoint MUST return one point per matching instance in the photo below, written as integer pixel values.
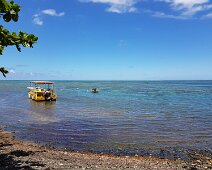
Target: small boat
(94, 90)
(41, 91)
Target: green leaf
(10, 11)
(7, 17)
(15, 18)
(4, 71)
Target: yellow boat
(43, 93)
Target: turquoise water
(126, 117)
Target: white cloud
(163, 15)
(207, 16)
(180, 9)
(38, 18)
(12, 71)
(188, 7)
(188, 2)
(122, 43)
(117, 6)
(52, 12)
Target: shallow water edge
(16, 154)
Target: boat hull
(41, 97)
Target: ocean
(166, 118)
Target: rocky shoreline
(18, 154)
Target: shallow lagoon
(126, 117)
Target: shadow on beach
(11, 160)
(7, 161)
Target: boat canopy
(42, 82)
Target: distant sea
(124, 118)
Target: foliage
(9, 11)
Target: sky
(113, 40)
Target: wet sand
(17, 154)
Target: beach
(111, 84)
(127, 125)
(18, 154)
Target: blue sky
(113, 40)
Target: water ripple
(130, 117)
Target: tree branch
(4, 71)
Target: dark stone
(19, 153)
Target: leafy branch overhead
(9, 11)
(7, 38)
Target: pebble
(198, 161)
(77, 161)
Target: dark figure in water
(47, 94)
(94, 90)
